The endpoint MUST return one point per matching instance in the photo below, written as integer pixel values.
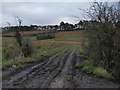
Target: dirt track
(53, 72)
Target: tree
(17, 33)
(104, 40)
(62, 25)
(56, 27)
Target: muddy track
(19, 77)
(56, 72)
(64, 79)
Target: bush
(27, 48)
(45, 36)
(104, 37)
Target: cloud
(41, 13)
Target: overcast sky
(42, 13)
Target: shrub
(104, 36)
(27, 48)
(47, 35)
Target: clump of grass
(84, 63)
(79, 65)
(82, 55)
(39, 56)
(102, 72)
(88, 69)
(87, 66)
(16, 62)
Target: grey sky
(42, 13)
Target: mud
(54, 72)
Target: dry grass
(24, 33)
(64, 34)
(9, 43)
(70, 34)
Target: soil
(57, 71)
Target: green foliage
(104, 37)
(49, 52)
(79, 65)
(7, 52)
(82, 55)
(16, 62)
(88, 69)
(102, 72)
(84, 63)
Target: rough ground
(53, 72)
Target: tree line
(63, 26)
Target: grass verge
(39, 56)
(87, 66)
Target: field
(66, 38)
(53, 64)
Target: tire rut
(64, 79)
(42, 78)
(57, 72)
(23, 75)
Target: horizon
(42, 13)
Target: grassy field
(42, 47)
(46, 48)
